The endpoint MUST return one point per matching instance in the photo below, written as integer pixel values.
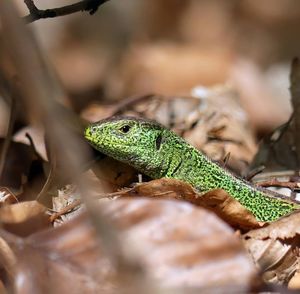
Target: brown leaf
(37, 135)
(217, 201)
(225, 125)
(294, 283)
(177, 243)
(229, 209)
(24, 218)
(66, 197)
(285, 228)
(111, 175)
(17, 164)
(275, 248)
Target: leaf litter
(156, 235)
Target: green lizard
(158, 152)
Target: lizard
(159, 152)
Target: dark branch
(86, 5)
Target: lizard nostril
(93, 129)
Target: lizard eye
(125, 129)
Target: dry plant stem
(50, 176)
(275, 183)
(254, 172)
(8, 135)
(53, 163)
(225, 159)
(86, 5)
(295, 92)
(47, 184)
(40, 93)
(76, 203)
(65, 210)
(274, 174)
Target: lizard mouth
(87, 134)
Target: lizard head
(134, 141)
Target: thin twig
(295, 95)
(86, 5)
(65, 210)
(225, 159)
(275, 183)
(53, 166)
(254, 172)
(77, 202)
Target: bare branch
(85, 5)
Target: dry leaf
(66, 197)
(229, 209)
(177, 243)
(111, 175)
(217, 201)
(275, 248)
(24, 218)
(17, 164)
(294, 283)
(37, 135)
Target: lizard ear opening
(158, 141)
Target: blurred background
(135, 47)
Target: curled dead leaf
(275, 248)
(285, 228)
(217, 201)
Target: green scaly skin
(158, 152)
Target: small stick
(275, 183)
(254, 172)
